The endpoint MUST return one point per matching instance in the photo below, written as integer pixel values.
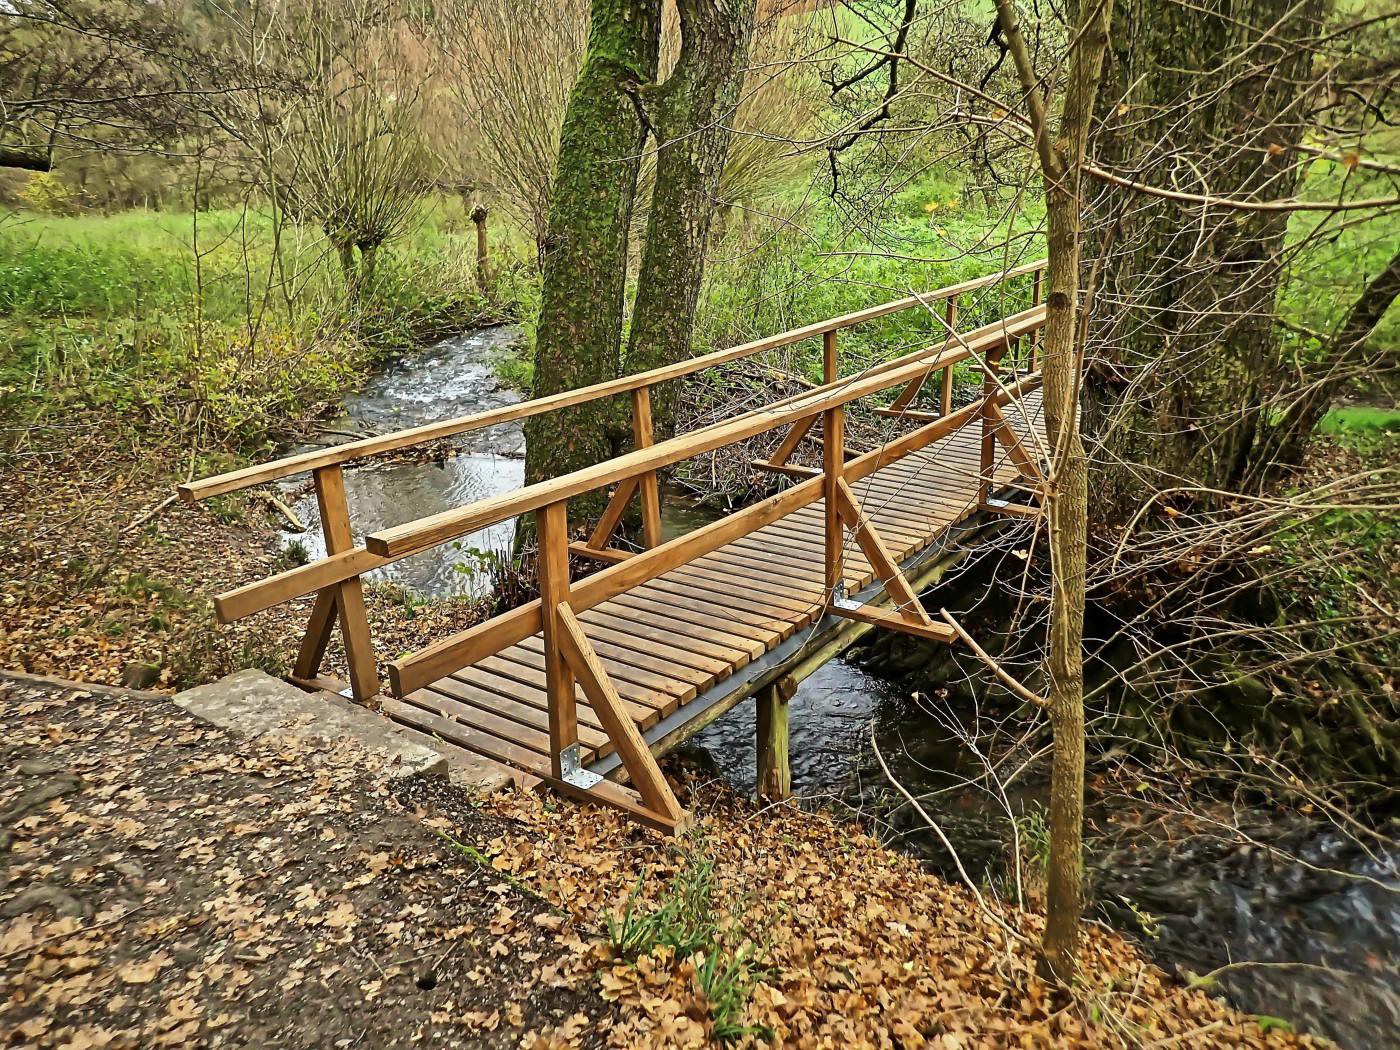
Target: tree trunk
(1203, 98)
(579, 334)
(690, 117)
(483, 276)
(1345, 359)
(1067, 485)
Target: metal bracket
(348, 692)
(838, 595)
(572, 771)
(841, 601)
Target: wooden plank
(697, 622)
(623, 656)
(479, 743)
(777, 591)
(740, 559)
(299, 464)
(679, 592)
(523, 715)
(648, 701)
(528, 737)
(675, 639)
(637, 758)
(766, 598)
(511, 689)
(514, 664)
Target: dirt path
(166, 884)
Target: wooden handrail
(293, 583)
(415, 536)
(449, 654)
(261, 473)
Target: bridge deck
(684, 635)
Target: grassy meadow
(222, 326)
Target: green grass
(219, 325)
(1361, 420)
(692, 924)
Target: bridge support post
(833, 470)
(343, 601)
(552, 526)
(774, 771)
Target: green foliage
(1362, 427)
(689, 922)
(226, 323)
(819, 266)
(45, 192)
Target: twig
(297, 524)
(135, 525)
(1004, 676)
(957, 861)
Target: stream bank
(1195, 901)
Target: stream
(1194, 904)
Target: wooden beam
(641, 765)
(349, 594)
(774, 781)
(552, 526)
(602, 533)
(650, 487)
(906, 602)
(603, 554)
(415, 536)
(833, 472)
(262, 473)
(887, 618)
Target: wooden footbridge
(591, 682)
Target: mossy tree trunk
(1204, 98)
(579, 334)
(690, 116)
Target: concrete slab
(255, 704)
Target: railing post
(945, 393)
(552, 528)
(650, 487)
(989, 391)
(1037, 297)
(344, 600)
(833, 470)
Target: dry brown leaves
(83, 595)
(165, 884)
(867, 949)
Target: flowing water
(1207, 901)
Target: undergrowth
(691, 924)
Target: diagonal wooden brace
(636, 757)
(1001, 429)
(612, 513)
(908, 614)
(778, 461)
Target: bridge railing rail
(336, 578)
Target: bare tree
(1061, 143)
